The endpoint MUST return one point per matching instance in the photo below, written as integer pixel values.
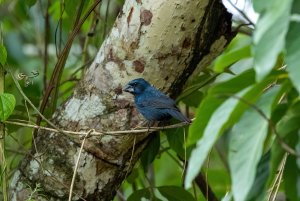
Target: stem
(3, 172)
(46, 41)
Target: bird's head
(136, 86)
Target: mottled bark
(162, 41)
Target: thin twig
(185, 157)
(131, 156)
(46, 41)
(77, 162)
(98, 133)
(277, 180)
(106, 19)
(206, 173)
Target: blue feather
(153, 104)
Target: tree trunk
(162, 41)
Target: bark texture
(162, 41)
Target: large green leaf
(269, 36)
(246, 144)
(239, 48)
(212, 102)
(7, 105)
(3, 55)
(286, 128)
(216, 125)
(175, 193)
(260, 5)
(223, 117)
(258, 189)
(292, 48)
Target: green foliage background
(245, 136)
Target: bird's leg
(149, 125)
(140, 125)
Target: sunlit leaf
(247, 139)
(269, 36)
(213, 101)
(223, 117)
(292, 48)
(7, 105)
(239, 48)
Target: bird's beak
(128, 89)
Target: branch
(99, 133)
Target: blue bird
(153, 104)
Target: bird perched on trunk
(153, 104)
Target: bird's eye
(134, 84)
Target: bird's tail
(179, 116)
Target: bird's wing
(162, 102)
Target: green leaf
(239, 48)
(150, 152)
(260, 5)
(258, 190)
(7, 105)
(246, 144)
(175, 138)
(286, 128)
(290, 121)
(3, 55)
(291, 179)
(133, 176)
(212, 102)
(269, 35)
(139, 195)
(226, 115)
(175, 193)
(292, 48)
